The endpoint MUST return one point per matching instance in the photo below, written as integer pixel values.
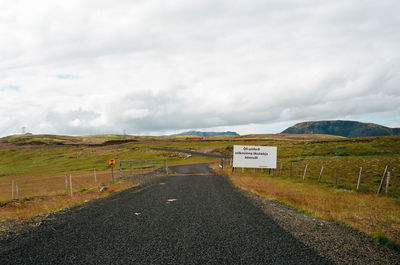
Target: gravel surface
(185, 219)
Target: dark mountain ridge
(342, 128)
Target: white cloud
(81, 67)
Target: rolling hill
(342, 128)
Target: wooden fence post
(280, 171)
(305, 172)
(382, 179)
(359, 179)
(387, 182)
(70, 184)
(320, 173)
(95, 177)
(16, 190)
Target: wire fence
(360, 174)
(20, 187)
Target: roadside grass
(29, 207)
(372, 214)
(345, 170)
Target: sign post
(245, 156)
(112, 162)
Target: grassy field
(38, 163)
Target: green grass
(385, 241)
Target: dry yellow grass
(47, 185)
(375, 215)
(29, 207)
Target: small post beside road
(95, 178)
(359, 179)
(387, 182)
(320, 173)
(382, 179)
(166, 166)
(112, 162)
(70, 184)
(16, 190)
(280, 171)
(305, 172)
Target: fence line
(14, 187)
(358, 174)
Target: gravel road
(183, 219)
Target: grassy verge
(378, 216)
(29, 207)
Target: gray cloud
(152, 67)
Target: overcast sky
(158, 67)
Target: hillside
(342, 128)
(206, 134)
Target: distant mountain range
(206, 134)
(342, 128)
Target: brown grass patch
(32, 206)
(45, 185)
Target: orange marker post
(112, 162)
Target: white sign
(254, 156)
